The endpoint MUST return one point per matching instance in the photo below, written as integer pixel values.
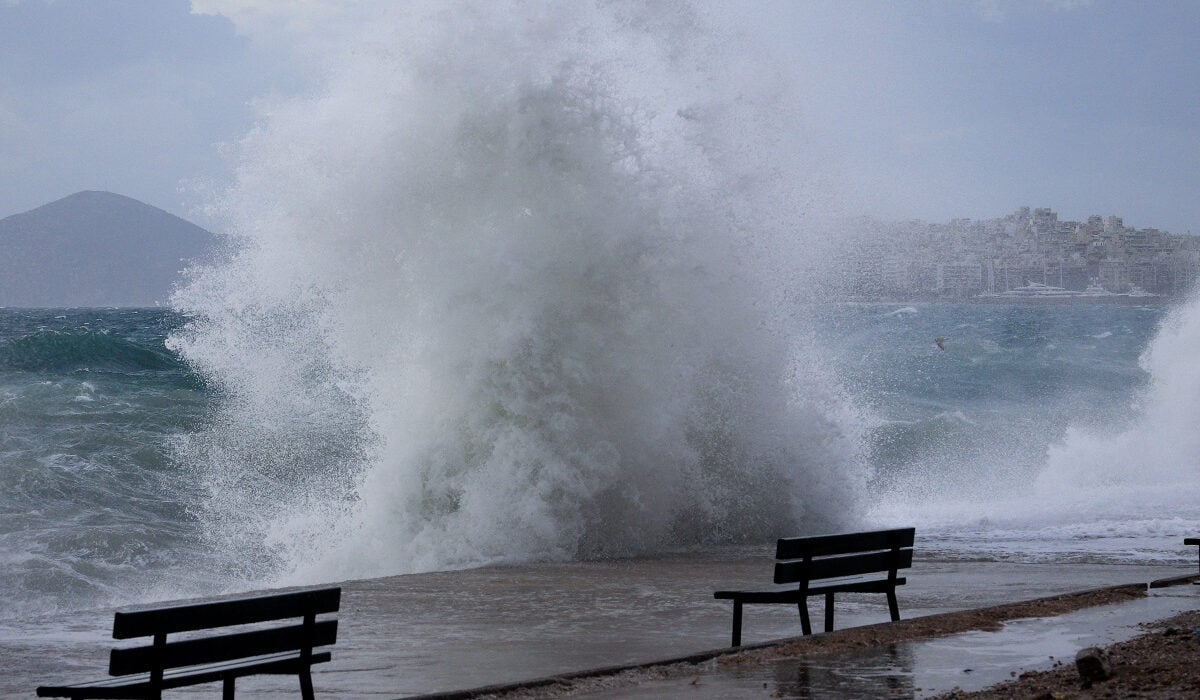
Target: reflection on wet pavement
(919, 669)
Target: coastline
(1114, 300)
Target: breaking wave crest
(513, 287)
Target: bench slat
(791, 595)
(193, 652)
(200, 616)
(834, 567)
(822, 545)
(137, 688)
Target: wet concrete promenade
(917, 668)
(417, 634)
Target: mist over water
(514, 285)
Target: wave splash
(511, 288)
(1151, 466)
(1108, 478)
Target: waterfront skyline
(965, 258)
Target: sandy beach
(446, 633)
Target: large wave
(514, 285)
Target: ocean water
(1037, 434)
(90, 404)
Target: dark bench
(222, 655)
(829, 564)
(1189, 542)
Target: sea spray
(513, 286)
(1151, 465)
(1069, 449)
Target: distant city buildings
(965, 258)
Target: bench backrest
(804, 559)
(160, 622)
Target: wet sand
(402, 636)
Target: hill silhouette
(96, 249)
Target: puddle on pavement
(969, 661)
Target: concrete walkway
(909, 669)
(409, 635)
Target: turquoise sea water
(90, 497)
(989, 445)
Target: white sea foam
(515, 285)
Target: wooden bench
(1189, 542)
(219, 655)
(829, 564)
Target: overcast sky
(932, 109)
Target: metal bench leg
(737, 623)
(805, 625)
(227, 688)
(829, 611)
(893, 606)
(306, 688)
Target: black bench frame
(823, 565)
(146, 671)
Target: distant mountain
(96, 249)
